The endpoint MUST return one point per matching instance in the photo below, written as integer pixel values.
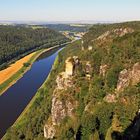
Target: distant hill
(98, 29)
(69, 27)
(16, 41)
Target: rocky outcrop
(90, 48)
(104, 36)
(49, 131)
(88, 67)
(63, 81)
(88, 70)
(76, 60)
(124, 79)
(69, 66)
(127, 77)
(61, 108)
(58, 111)
(103, 70)
(110, 98)
(122, 31)
(119, 32)
(63, 105)
(135, 74)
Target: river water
(17, 97)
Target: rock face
(124, 80)
(61, 108)
(49, 131)
(64, 81)
(119, 32)
(122, 31)
(135, 74)
(58, 111)
(103, 69)
(127, 77)
(69, 67)
(103, 36)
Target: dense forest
(100, 100)
(68, 27)
(16, 41)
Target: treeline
(16, 41)
(67, 27)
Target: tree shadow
(131, 133)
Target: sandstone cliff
(127, 77)
(63, 105)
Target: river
(17, 97)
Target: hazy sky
(70, 10)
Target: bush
(26, 64)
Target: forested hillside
(93, 91)
(16, 41)
(68, 27)
(99, 29)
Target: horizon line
(64, 22)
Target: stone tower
(69, 66)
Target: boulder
(49, 131)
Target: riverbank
(13, 68)
(36, 100)
(37, 95)
(18, 74)
(30, 122)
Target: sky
(69, 10)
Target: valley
(69, 70)
(92, 91)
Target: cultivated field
(12, 69)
